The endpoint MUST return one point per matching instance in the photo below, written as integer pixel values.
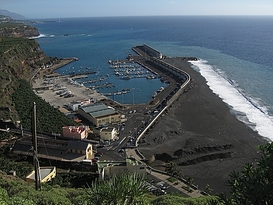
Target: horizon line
(201, 15)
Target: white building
(76, 104)
(108, 133)
(109, 169)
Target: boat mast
(34, 143)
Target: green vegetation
(188, 189)
(19, 59)
(10, 25)
(49, 119)
(14, 29)
(126, 189)
(173, 169)
(9, 43)
(72, 179)
(254, 184)
(10, 162)
(21, 169)
(14, 191)
(171, 179)
(176, 199)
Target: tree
(208, 189)
(254, 184)
(173, 169)
(190, 180)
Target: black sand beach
(202, 136)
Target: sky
(101, 8)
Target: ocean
(235, 55)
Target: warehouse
(99, 114)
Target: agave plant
(119, 190)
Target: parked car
(121, 150)
(121, 128)
(98, 154)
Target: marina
(127, 71)
(116, 79)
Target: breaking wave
(242, 106)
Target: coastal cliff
(20, 58)
(18, 30)
(15, 28)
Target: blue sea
(235, 52)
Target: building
(108, 133)
(99, 114)
(109, 169)
(76, 132)
(55, 149)
(80, 147)
(46, 174)
(76, 104)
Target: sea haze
(235, 55)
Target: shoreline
(202, 136)
(56, 66)
(199, 133)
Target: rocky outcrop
(18, 30)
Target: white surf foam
(40, 36)
(246, 109)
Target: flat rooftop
(44, 172)
(98, 110)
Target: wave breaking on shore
(243, 107)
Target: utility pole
(34, 143)
(22, 132)
(133, 95)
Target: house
(80, 147)
(76, 132)
(108, 133)
(99, 114)
(109, 169)
(55, 149)
(46, 174)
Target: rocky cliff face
(19, 30)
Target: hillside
(20, 58)
(13, 29)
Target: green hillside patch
(49, 119)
